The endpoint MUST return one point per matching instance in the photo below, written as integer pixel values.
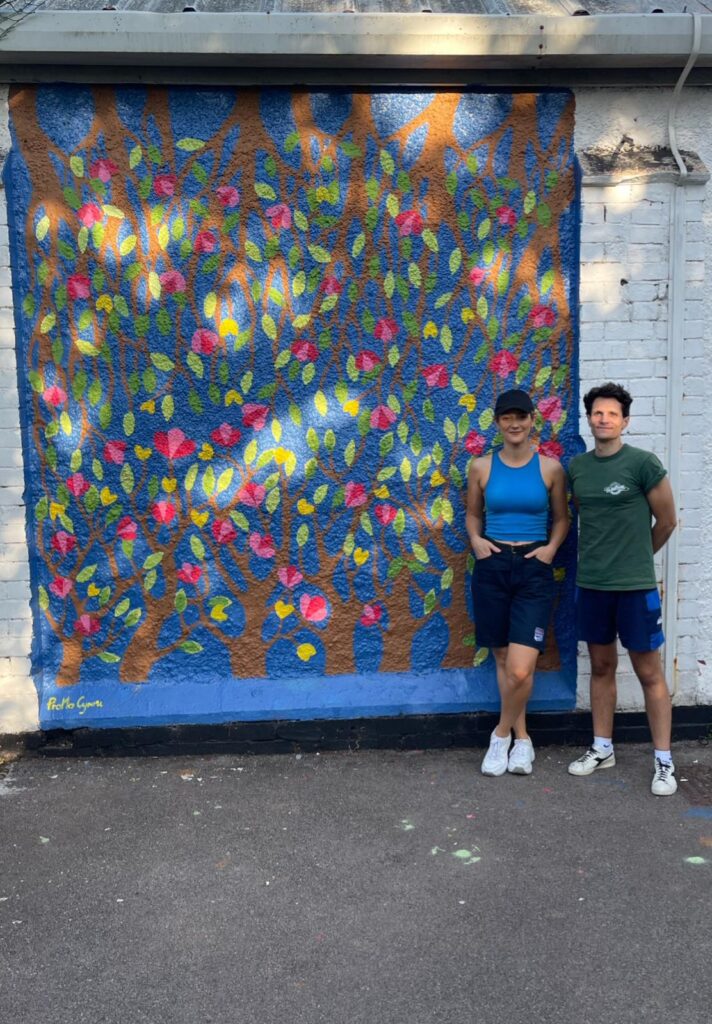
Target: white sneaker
(591, 761)
(495, 761)
(664, 781)
(521, 757)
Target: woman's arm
(556, 478)
(475, 511)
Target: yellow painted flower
(467, 315)
(306, 651)
(217, 612)
(93, 590)
(199, 518)
(281, 455)
(105, 302)
(55, 509)
(169, 484)
(430, 330)
(149, 406)
(469, 401)
(227, 327)
(382, 492)
(206, 452)
(437, 479)
(304, 507)
(283, 610)
(233, 396)
(352, 406)
(107, 497)
(361, 556)
(143, 453)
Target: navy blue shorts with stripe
(633, 615)
(512, 597)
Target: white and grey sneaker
(591, 761)
(664, 781)
(521, 757)
(495, 760)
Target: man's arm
(662, 506)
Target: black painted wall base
(406, 732)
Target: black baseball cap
(514, 399)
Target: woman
(511, 495)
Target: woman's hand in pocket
(543, 554)
(484, 548)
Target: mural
(261, 332)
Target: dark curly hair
(608, 390)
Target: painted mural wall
(260, 338)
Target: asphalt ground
(353, 888)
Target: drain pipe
(676, 334)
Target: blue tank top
(516, 502)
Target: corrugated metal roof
(482, 7)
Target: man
(627, 513)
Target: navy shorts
(633, 615)
(512, 597)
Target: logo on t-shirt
(615, 488)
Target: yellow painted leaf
(352, 406)
(113, 211)
(233, 396)
(107, 497)
(149, 406)
(199, 518)
(361, 556)
(430, 330)
(290, 463)
(305, 652)
(164, 236)
(42, 228)
(154, 285)
(210, 305)
(169, 484)
(93, 590)
(143, 453)
(283, 610)
(467, 315)
(322, 406)
(55, 509)
(228, 327)
(105, 302)
(218, 613)
(304, 507)
(437, 479)
(206, 452)
(382, 492)
(276, 430)
(128, 245)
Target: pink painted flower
(204, 342)
(506, 216)
(127, 529)
(77, 484)
(225, 435)
(313, 607)
(386, 329)
(436, 375)
(371, 614)
(103, 169)
(542, 316)
(503, 363)
(54, 395)
(87, 625)
(172, 281)
(382, 417)
(290, 576)
(354, 495)
(305, 351)
(115, 452)
(409, 222)
(551, 408)
(205, 241)
(78, 286)
(552, 449)
(251, 494)
(189, 573)
(64, 542)
(367, 360)
(61, 586)
(173, 443)
(280, 216)
(330, 286)
(475, 443)
(90, 214)
(385, 513)
(223, 531)
(254, 416)
(163, 511)
(164, 185)
(262, 544)
(227, 196)
(477, 275)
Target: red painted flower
(262, 544)
(204, 342)
(127, 529)
(354, 495)
(367, 360)
(305, 351)
(313, 607)
(503, 363)
(543, 316)
(385, 513)
(475, 443)
(205, 241)
(115, 451)
(506, 216)
(77, 484)
(189, 573)
(280, 216)
(409, 222)
(61, 586)
(551, 408)
(78, 286)
(90, 214)
(227, 196)
(173, 443)
(251, 494)
(87, 625)
(382, 417)
(254, 416)
(172, 281)
(103, 169)
(436, 375)
(54, 395)
(290, 576)
(386, 329)
(371, 614)
(225, 435)
(477, 275)
(552, 449)
(330, 286)
(64, 542)
(223, 531)
(164, 185)
(163, 512)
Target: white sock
(663, 755)
(602, 744)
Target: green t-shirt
(615, 543)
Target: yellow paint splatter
(305, 652)
(283, 610)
